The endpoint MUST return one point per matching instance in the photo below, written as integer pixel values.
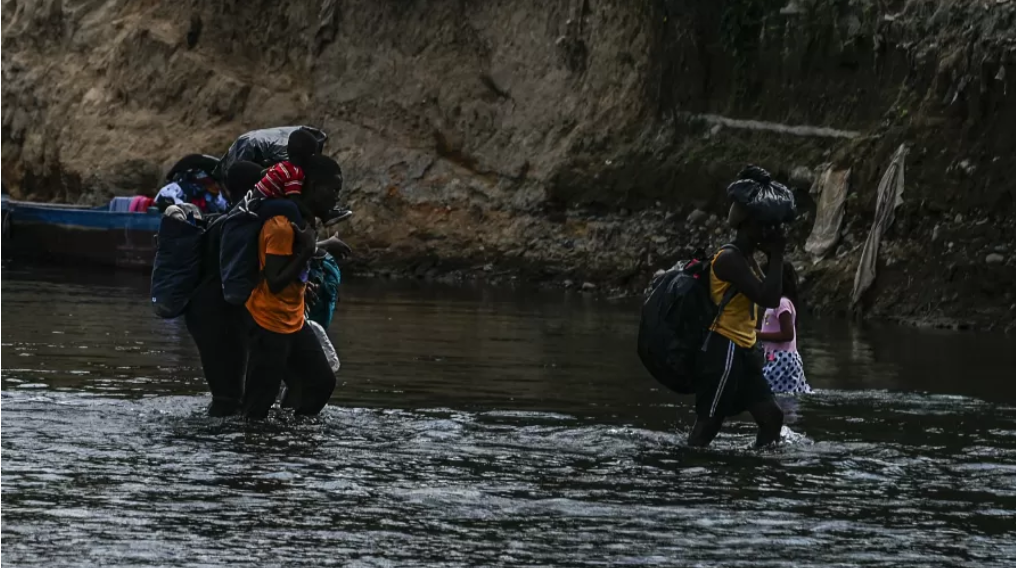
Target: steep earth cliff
(574, 141)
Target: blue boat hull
(88, 236)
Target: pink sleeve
(786, 306)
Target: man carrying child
(281, 344)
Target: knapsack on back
(239, 266)
(325, 274)
(177, 268)
(676, 317)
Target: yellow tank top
(737, 322)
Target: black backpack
(177, 268)
(676, 318)
(240, 268)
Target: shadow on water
(478, 427)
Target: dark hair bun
(755, 173)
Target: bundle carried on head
(266, 147)
(767, 201)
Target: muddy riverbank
(586, 140)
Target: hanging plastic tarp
(890, 196)
(831, 195)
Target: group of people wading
(247, 307)
(701, 330)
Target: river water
(479, 427)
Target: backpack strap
(728, 246)
(754, 267)
(727, 297)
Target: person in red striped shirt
(284, 179)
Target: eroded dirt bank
(583, 141)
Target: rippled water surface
(476, 427)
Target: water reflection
(479, 427)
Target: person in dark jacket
(218, 327)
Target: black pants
(728, 379)
(221, 337)
(295, 358)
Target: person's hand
(311, 292)
(774, 242)
(304, 238)
(336, 247)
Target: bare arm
(282, 270)
(734, 268)
(786, 332)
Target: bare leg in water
(769, 417)
(704, 431)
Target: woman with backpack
(728, 372)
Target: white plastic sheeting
(890, 196)
(830, 192)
